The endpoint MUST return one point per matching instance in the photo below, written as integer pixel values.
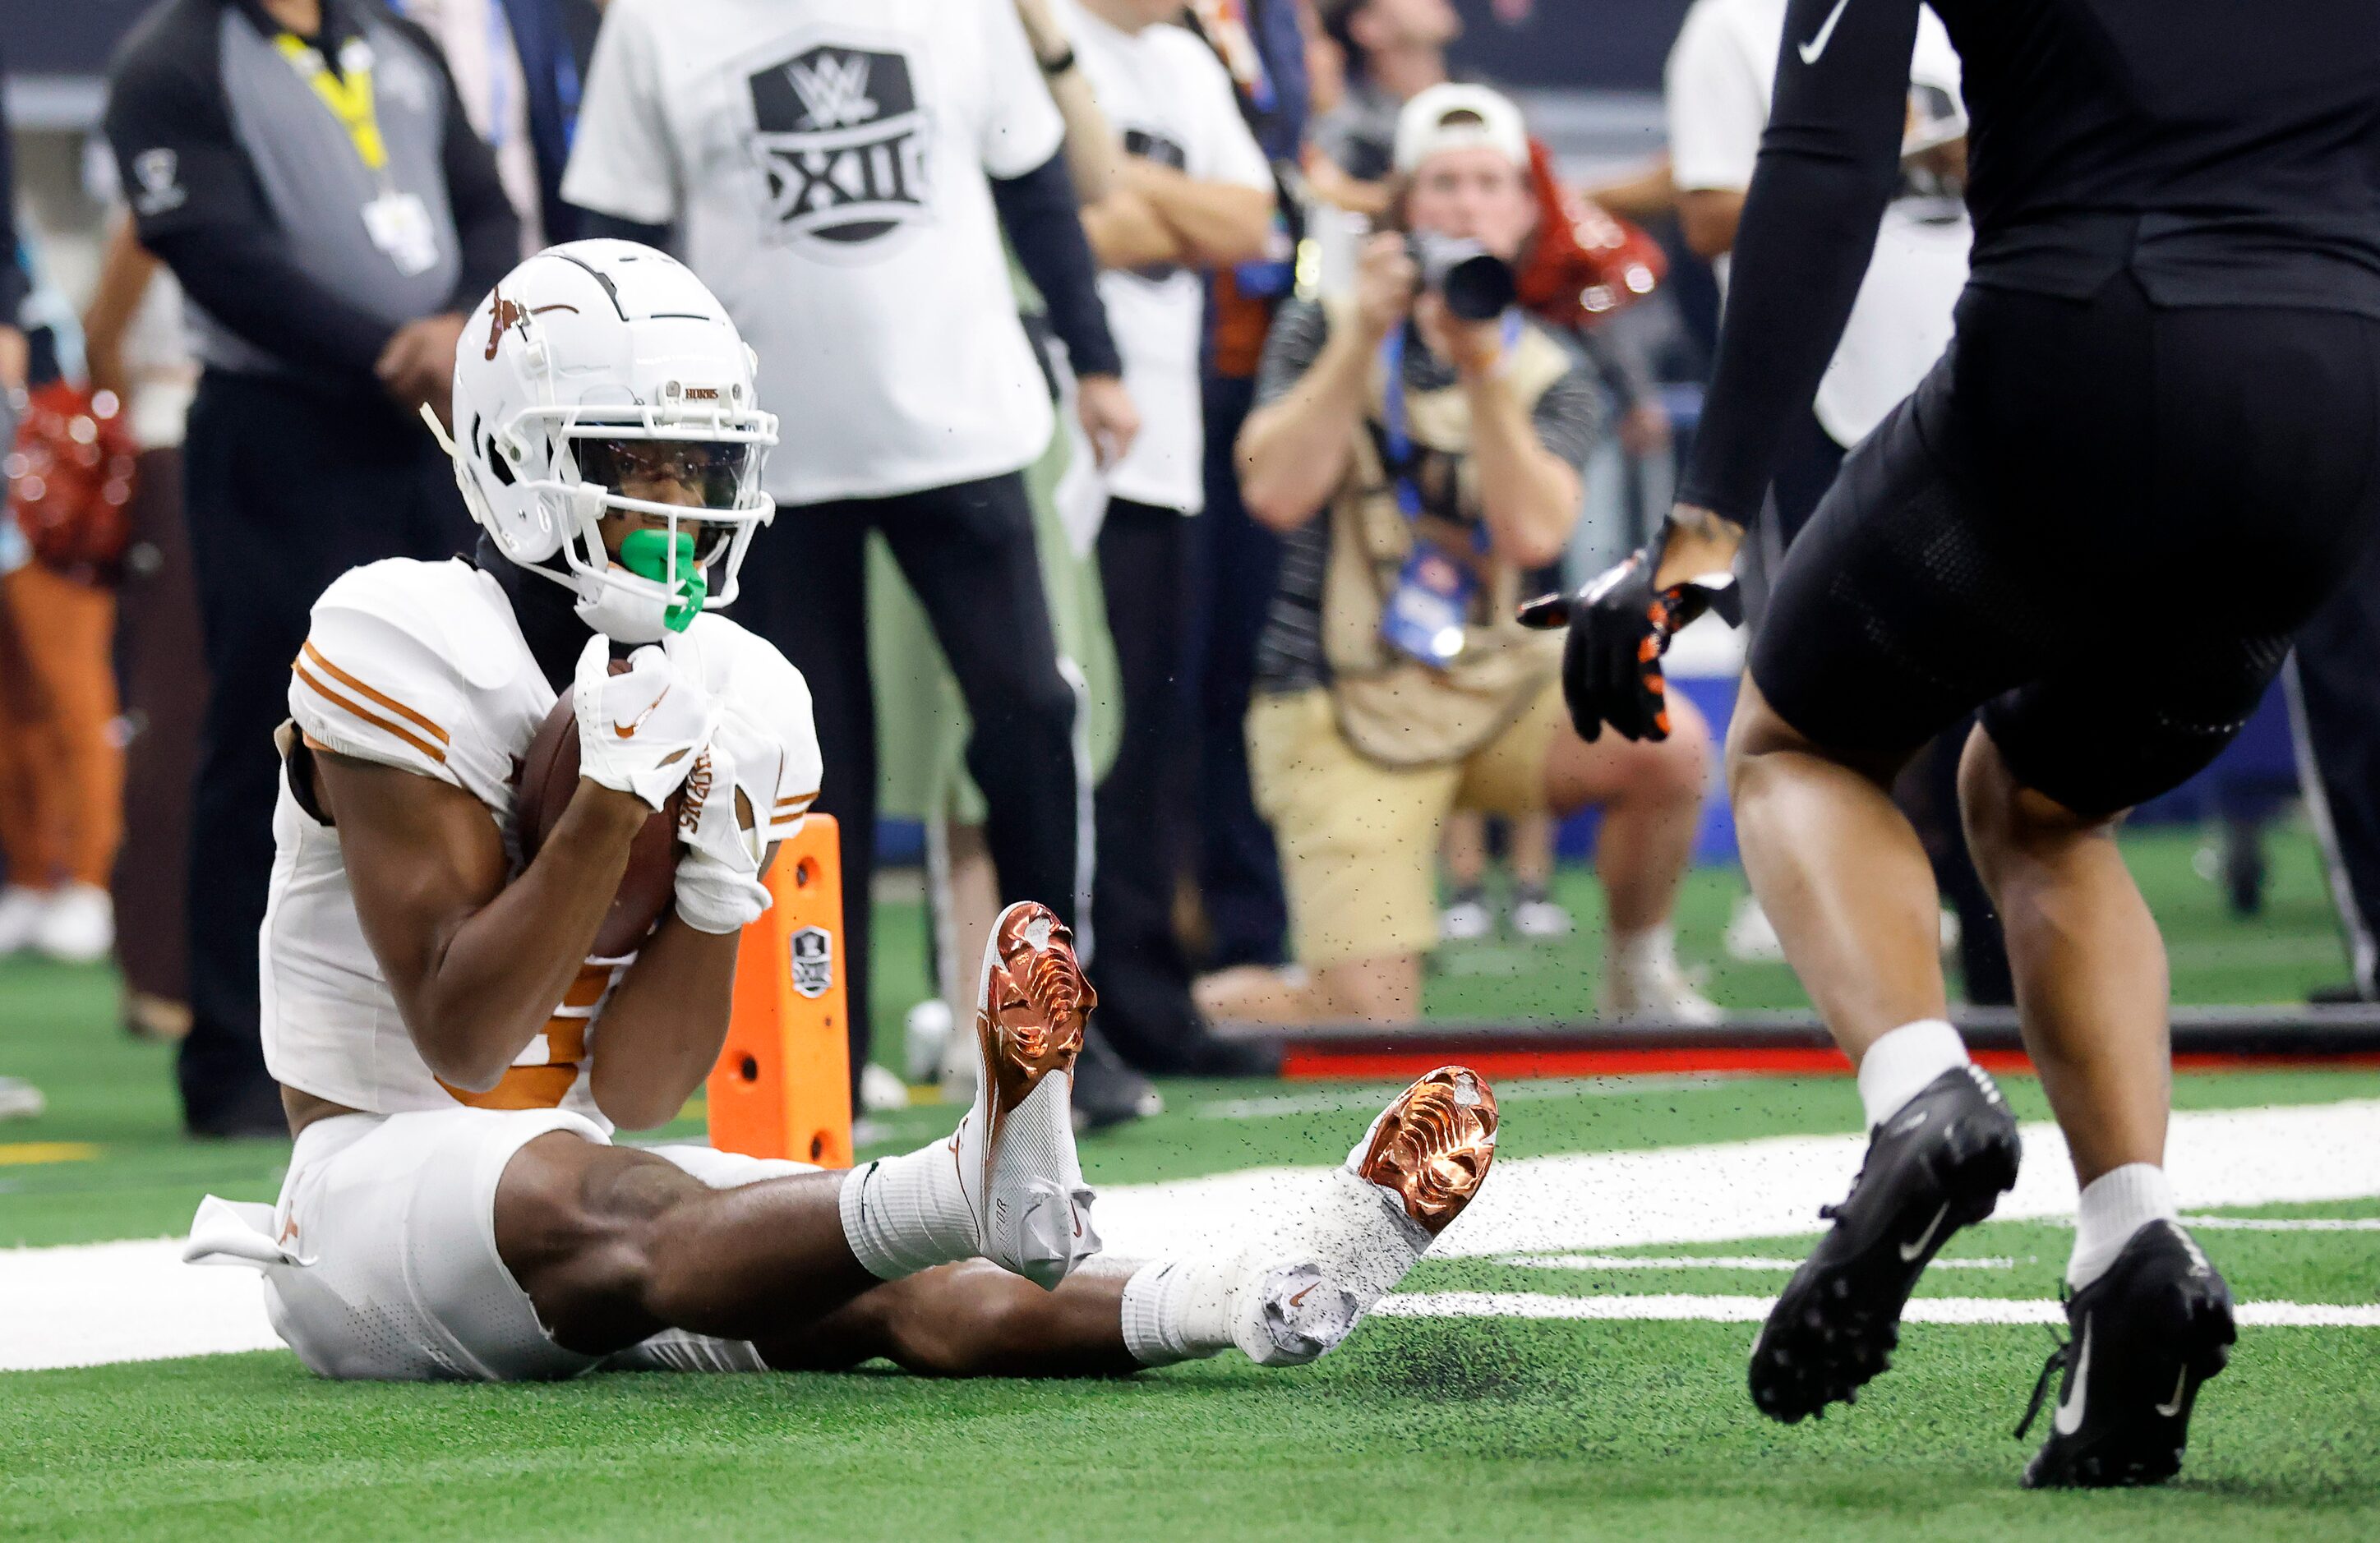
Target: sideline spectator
(1394, 684)
(306, 170)
(68, 480)
(1236, 561)
(517, 66)
(134, 345)
(1391, 50)
(837, 167)
(1193, 194)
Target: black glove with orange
(1620, 626)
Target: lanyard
(1400, 441)
(348, 94)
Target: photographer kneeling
(1420, 463)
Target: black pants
(2099, 521)
(968, 552)
(2334, 681)
(1236, 568)
(286, 488)
(1144, 981)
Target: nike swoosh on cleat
(1909, 1251)
(2070, 1410)
(1818, 45)
(1911, 1123)
(2180, 1386)
(1299, 1300)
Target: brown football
(549, 776)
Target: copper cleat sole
(1034, 1004)
(1433, 1144)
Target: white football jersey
(424, 666)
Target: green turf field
(1419, 1428)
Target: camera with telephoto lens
(1476, 284)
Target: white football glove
(639, 731)
(719, 887)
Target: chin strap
(437, 430)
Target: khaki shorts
(1359, 840)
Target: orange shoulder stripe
(435, 752)
(352, 684)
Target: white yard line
(1705, 1261)
(2284, 1223)
(1754, 1309)
(135, 1300)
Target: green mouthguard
(646, 554)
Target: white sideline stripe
(1705, 1261)
(1347, 1100)
(1600, 1201)
(1755, 1309)
(96, 1302)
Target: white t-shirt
(826, 161)
(1167, 94)
(1721, 73)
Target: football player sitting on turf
(452, 1062)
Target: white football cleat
(1016, 1148)
(1418, 1167)
(1282, 1310)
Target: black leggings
(2098, 520)
(968, 552)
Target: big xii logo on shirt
(842, 143)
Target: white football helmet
(593, 368)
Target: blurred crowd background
(1177, 397)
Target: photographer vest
(1390, 707)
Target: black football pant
(2100, 522)
(285, 488)
(968, 552)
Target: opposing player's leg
(2151, 1317)
(614, 1246)
(1894, 614)
(1284, 1299)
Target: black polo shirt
(303, 248)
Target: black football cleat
(1940, 1163)
(2148, 1335)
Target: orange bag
(70, 480)
(1584, 264)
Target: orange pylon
(782, 1084)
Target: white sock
(1178, 1311)
(1897, 1067)
(2117, 1204)
(904, 1214)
